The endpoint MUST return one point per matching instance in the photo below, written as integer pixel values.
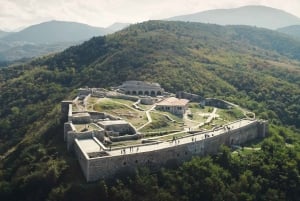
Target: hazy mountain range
(293, 30)
(3, 33)
(54, 36)
(55, 32)
(260, 16)
(48, 37)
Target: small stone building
(173, 105)
(118, 126)
(141, 88)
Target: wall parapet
(172, 153)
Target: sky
(17, 14)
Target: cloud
(18, 13)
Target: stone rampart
(108, 166)
(72, 135)
(68, 126)
(81, 118)
(189, 96)
(81, 156)
(70, 112)
(65, 107)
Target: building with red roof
(173, 105)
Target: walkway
(180, 141)
(148, 117)
(208, 120)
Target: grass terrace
(145, 107)
(111, 106)
(230, 114)
(178, 119)
(161, 123)
(123, 101)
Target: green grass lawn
(126, 102)
(114, 107)
(145, 107)
(178, 119)
(161, 123)
(230, 114)
(198, 108)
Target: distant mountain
(3, 33)
(260, 16)
(56, 31)
(27, 50)
(293, 31)
(48, 37)
(117, 26)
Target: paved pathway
(148, 117)
(209, 119)
(178, 142)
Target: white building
(173, 105)
(141, 88)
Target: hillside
(117, 26)
(293, 31)
(259, 16)
(256, 68)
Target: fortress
(107, 145)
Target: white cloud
(20, 13)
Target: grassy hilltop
(256, 68)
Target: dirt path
(148, 117)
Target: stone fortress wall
(106, 163)
(108, 166)
(73, 134)
(189, 96)
(93, 117)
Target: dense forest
(256, 68)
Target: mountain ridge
(48, 37)
(260, 16)
(3, 33)
(56, 31)
(293, 30)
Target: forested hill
(291, 30)
(256, 68)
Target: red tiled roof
(172, 101)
